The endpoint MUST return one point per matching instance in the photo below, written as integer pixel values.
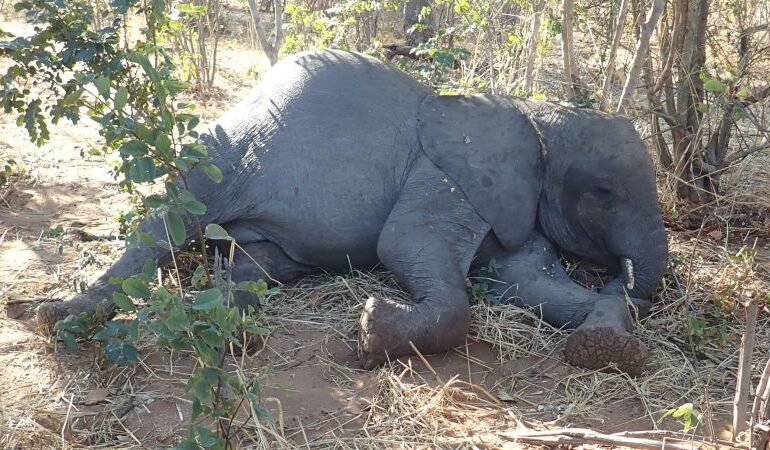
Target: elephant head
(583, 177)
(599, 198)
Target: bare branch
(639, 55)
(744, 372)
(581, 436)
(609, 70)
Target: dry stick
(66, 422)
(744, 371)
(764, 412)
(639, 55)
(609, 69)
(425, 361)
(760, 397)
(580, 436)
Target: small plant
(7, 167)
(479, 288)
(689, 416)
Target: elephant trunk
(643, 265)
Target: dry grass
(479, 399)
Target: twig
(66, 421)
(126, 429)
(425, 361)
(760, 399)
(744, 371)
(580, 436)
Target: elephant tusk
(628, 272)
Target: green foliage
(437, 62)
(479, 289)
(308, 28)
(7, 167)
(68, 70)
(689, 416)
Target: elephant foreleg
(532, 276)
(428, 242)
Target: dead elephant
(339, 159)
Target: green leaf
(133, 148)
(191, 204)
(123, 302)
(176, 228)
(213, 172)
(149, 269)
(163, 145)
(211, 337)
(146, 65)
(714, 85)
(142, 170)
(255, 287)
(103, 86)
(702, 107)
(153, 201)
(208, 438)
(68, 339)
(686, 408)
(72, 97)
(202, 383)
(177, 319)
(208, 300)
(198, 277)
(216, 232)
(182, 165)
(136, 288)
(187, 444)
(121, 98)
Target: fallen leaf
(504, 396)
(716, 235)
(98, 395)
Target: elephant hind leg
(99, 294)
(263, 260)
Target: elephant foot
(598, 347)
(48, 314)
(606, 338)
(381, 337)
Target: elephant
(339, 160)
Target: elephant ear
(488, 146)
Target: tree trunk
(609, 69)
(271, 49)
(640, 54)
(529, 71)
(690, 95)
(568, 50)
(417, 21)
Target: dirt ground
(509, 377)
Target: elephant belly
(317, 156)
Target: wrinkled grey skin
(340, 160)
